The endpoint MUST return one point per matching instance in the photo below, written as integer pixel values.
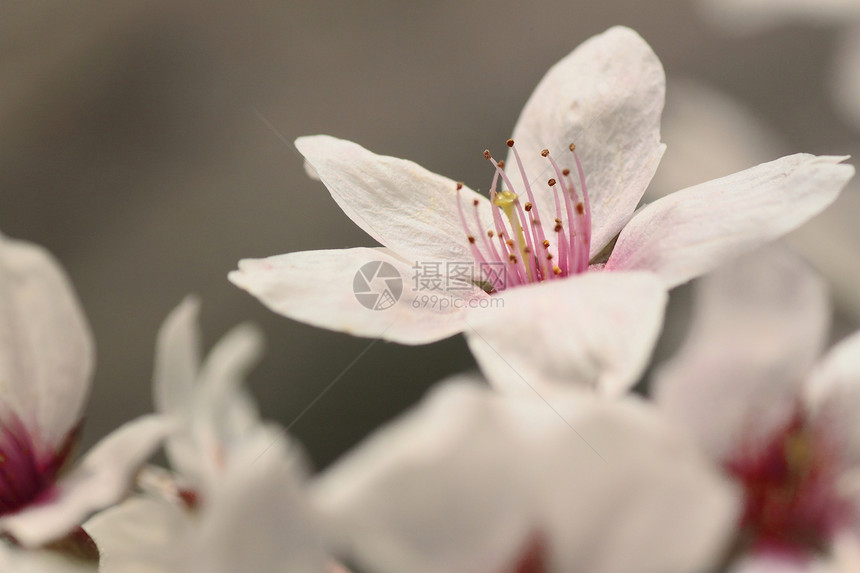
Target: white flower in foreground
(539, 239)
(18, 560)
(46, 360)
(474, 481)
(749, 16)
(236, 502)
(783, 426)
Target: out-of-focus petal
(397, 202)
(709, 135)
(177, 363)
(748, 16)
(592, 331)
(257, 518)
(845, 77)
(758, 326)
(693, 231)
(833, 392)
(17, 560)
(469, 478)
(319, 288)
(101, 479)
(141, 535)
(606, 97)
(46, 349)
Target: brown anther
(551, 182)
(557, 221)
(487, 154)
(510, 243)
(572, 147)
(526, 250)
(558, 228)
(459, 185)
(512, 258)
(528, 206)
(556, 270)
(509, 143)
(471, 239)
(545, 244)
(579, 208)
(549, 256)
(565, 171)
(491, 234)
(475, 202)
(502, 163)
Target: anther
(558, 228)
(487, 154)
(549, 256)
(545, 244)
(471, 239)
(459, 185)
(551, 182)
(527, 206)
(526, 250)
(475, 202)
(556, 270)
(512, 258)
(580, 208)
(502, 163)
(510, 243)
(510, 143)
(572, 147)
(544, 152)
(565, 171)
(491, 234)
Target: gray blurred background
(148, 145)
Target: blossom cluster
(741, 456)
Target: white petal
(758, 326)
(397, 202)
(140, 535)
(17, 560)
(318, 287)
(464, 482)
(177, 362)
(102, 478)
(834, 392)
(749, 16)
(846, 74)
(46, 349)
(606, 97)
(257, 519)
(595, 330)
(693, 231)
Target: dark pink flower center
(516, 249)
(26, 475)
(791, 504)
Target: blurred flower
(746, 383)
(710, 134)
(235, 502)
(46, 360)
(534, 257)
(750, 16)
(474, 481)
(40, 561)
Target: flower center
(25, 476)
(516, 249)
(791, 501)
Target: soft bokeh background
(148, 145)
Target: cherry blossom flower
(41, 561)
(750, 16)
(556, 213)
(782, 424)
(46, 361)
(235, 501)
(472, 480)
